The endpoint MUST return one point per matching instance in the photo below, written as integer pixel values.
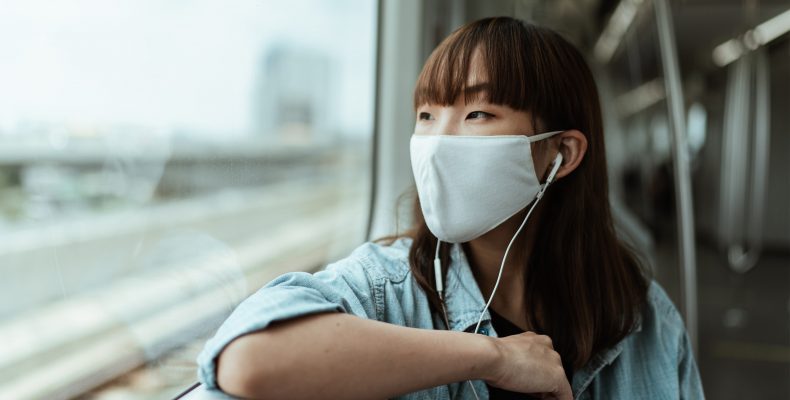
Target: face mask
(468, 185)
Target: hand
(527, 363)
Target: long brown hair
(583, 287)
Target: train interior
(161, 161)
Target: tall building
(293, 98)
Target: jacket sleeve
(343, 286)
(689, 379)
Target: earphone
(556, 164)
(437, 264)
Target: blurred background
(160, 161)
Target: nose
(446, 125)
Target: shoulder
(661, 322)
(380, 261)
(663, 309)
(656, 359)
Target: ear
(573, 146)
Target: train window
(158, 162)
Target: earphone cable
(504, 258)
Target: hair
(583, 287)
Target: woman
(513, 240)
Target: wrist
(488, 358)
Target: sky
(172, 65)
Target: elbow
(240, 371)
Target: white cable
(437, 271)
(502, 267)
(473, 390)
(504, 258)
(552, 173)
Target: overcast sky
(173, 64)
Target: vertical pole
(680, 153)
(399, 63)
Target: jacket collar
(463, 298)
(583, 377)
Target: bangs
(504, 73)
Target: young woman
(512, 282)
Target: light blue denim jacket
(653, 362)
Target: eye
(479, 115)
(424, 116)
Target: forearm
(342, 356)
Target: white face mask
(468, 185)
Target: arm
(338, 355)
(342, 356)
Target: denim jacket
(655, 361)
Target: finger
(546, 341)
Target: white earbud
(556, 164)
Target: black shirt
(503, 328)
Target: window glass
(161, 160)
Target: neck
(485, 257)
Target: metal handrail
(744, 252)
(680, 156)
(733, 160)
